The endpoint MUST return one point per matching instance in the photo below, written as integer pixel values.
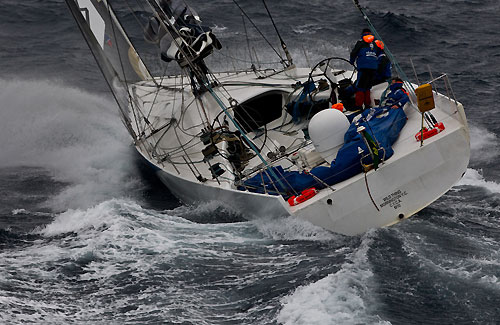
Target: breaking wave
(473, 177)
(156, 266)
(76, 136)
(343, 297)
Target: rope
(370, 194)
(161, 15)
(243, 60)
(157, 92)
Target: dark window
(259, 111)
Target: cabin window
(259, 111)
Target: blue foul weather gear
(397, 96)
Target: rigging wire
(248, 40)
(261, 34)
(157, 92)
(245, 61)
(224, 109)
(283, 45)
(174, 33)
(126, 36)
(132, 11)
(251, 145)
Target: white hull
(406, 183)
(250, 204)
(397, 193)
(213, 136)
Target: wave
(484, 145)
(473, 177)
(292, 228)
(119, 249)
(340, 298)
(75, 135)
(455, 256)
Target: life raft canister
(438, 128)
(304, 196)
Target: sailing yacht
(267, 142)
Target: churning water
(89, 236)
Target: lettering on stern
(393, 199)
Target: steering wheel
(328, 71)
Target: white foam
(18, 211)
(115, 232)
(340, 298)
(127, 222)
(484, 144)
(292, 228)
(307, 28)
(75, 135)
(78, 220)
(204, 207)
(218, 29)
(473, 177)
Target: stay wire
(132, 11)
(248, 40)
(283, 45)
(157, 91)
(261, 34)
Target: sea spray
(75, 135)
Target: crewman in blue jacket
(384, 70)
(397, 96)
(365, 54)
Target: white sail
(116, 56)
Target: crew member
(365, 54)
(384, 69)
(397, 96)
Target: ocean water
(88, 235)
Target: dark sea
(88, 235)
